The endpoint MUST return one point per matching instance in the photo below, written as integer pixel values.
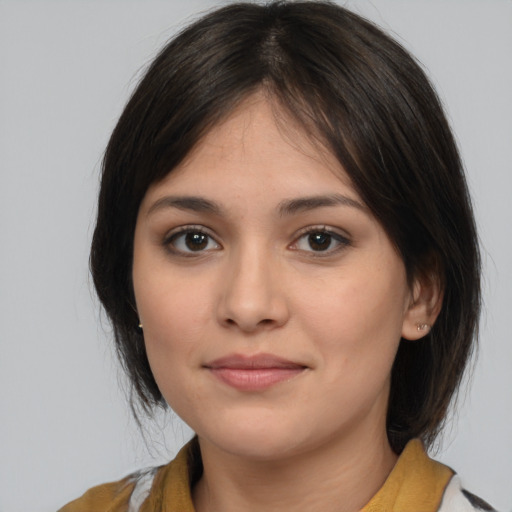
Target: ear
(424, 307)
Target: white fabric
(454, 500)
(142, 489)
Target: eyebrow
(188, 203)
(285, 208)
(302, 204)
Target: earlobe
(424, 307)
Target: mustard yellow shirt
(416, 484)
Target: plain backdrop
(66, 70)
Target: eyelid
(342, 239)
(174, 233)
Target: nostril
(265, 321)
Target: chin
(260, 447)
(258, 438)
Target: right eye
(189, 240)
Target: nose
(253, 297)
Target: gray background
(66, 70)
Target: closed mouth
(254, 373)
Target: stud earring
(423, 327)
(139, 328)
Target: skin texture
(260, 283)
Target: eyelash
(341, 241)
(170, 240)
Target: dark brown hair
(367, 101)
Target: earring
(139, 328)
(423, 327)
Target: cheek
(168, 299)
(175, 317)
(177, 312)
(355, 307)
(356, 323)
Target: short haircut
(366, 100)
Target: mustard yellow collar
(416, 483)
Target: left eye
(192, 241)
(320, 241)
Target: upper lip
(252, 362)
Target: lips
(254, 373)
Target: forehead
(258, 141)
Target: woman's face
(272, 300)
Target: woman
(286, 249)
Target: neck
(340, 476)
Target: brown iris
(319, 241)
(196, 241)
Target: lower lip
(256, 379)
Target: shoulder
(457, 499)
(147, 490)
(125, 495)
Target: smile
(254, 373)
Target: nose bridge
(253, 294)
